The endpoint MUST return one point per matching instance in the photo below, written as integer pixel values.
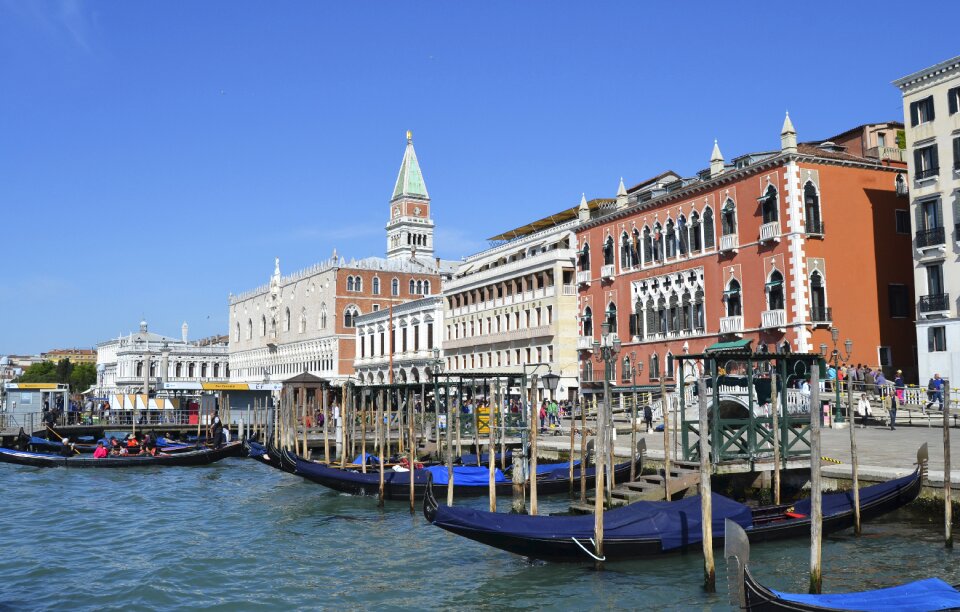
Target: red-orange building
(777, 247)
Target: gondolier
(216, 431)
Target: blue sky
(155, 156)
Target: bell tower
(410, 228)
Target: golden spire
(409, 136)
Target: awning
(732, 345)
(731, 292)
(774, 283)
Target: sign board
(20, 386)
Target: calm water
(238, 535)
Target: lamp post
(605, 350)
(436, 368)
(834, 359)
(636, 367)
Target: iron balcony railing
(930, 237)
(927, 173)
(935, 302)
(815, 227)
(821, 314)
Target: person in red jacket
(101, 451)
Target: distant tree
(43, 372)
(64, 367)
(83, 376)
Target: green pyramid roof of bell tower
(410, 180)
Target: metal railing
(926, 173)
(936, 302)
(815, 228)
(934, 236)
(821, 314)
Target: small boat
(195, 457)
(748, 594)
(266, 456)
(648, 529)
(552, 478)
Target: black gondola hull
(197, 457)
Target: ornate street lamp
(605, 350)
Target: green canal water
(238, 535)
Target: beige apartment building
(931, 108)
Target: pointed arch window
(302, 323)
(668, 366)
(647, 246)
(608, 251)
(587, 322)
(657, 243)
(322, 319)
(349, 283)
(249, 329)
(662, 315)
(674, 313)
(395, 286)
(734, 299)
(178, 370)
(698, 310)
(413, 287)
(818, 298)
(654, 367)
(770, 206)
(611, 319)
(686, 312)
(811, 209)
(695, 227)
(709, 241)
(728, 218)
(426, 287)
(775, 291)
(376, 285)
(635, 247)
(683, 239)
(670, 242)
(651, 316)
(286, 320)
(350, 315)
(358, 283)
(263, 325)
(625, 261)
(584, 261)
(625, 369)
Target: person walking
(935, 391)
(893, 413)
(899, 387)
(648, 418)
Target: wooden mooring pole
(816, 492)
(573, 430)
(450, 410)
(324, 405)
(947, 494)
(706, 499)
(601, 457)
(492, 451)
(383, 429)
(854, 467)
(775, 414)
(665, 410)
(583, 449)
(413, 451)
(363, 431)
(534, 429)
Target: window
(376, 307)
(263, 325)
(956, 153)
(584, 262)
(902, 221)
(811, 208)
(302, 323)
(657, 242)
(683, 242)
(395, 286)
(899, 301)
(668, 366)
(921, 111)
(249, 329)
(671, 239)
(413, 287)
(935, 279)
(708, 239)
(286, 320)
(925, 162)
(728, 218)
(953, 100)
(695, 242)
(608, 251)
(768, 205)
(937, 339)
(881, 140)
(818, 298)
(775, 291)
(647, 246)
(734, 306)
(236, 334)
(587, 322)
(357, 283)
(612, 317)
(376, 285)
(885, 355)
(322, 321)
(426, 287)
(654, 367)
(349, 316)
(930, 215)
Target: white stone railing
(583, 277)
(770, 231)
(731, 325)
(585, 343)
(729, 242)
(569, 290)
(607, 271)
(773, 318)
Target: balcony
(729, 242)
(886, 153)
(814, 228)
(933, 237)
(821, 314)
(585, 343)
(935, 303)
(928, 173)
(773, 318)
(607, 272)
(768, 231)
(583, 277)
(569, 290)
(731, 325)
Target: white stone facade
(122, 363)
(408, 350)
(931, 104)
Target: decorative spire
(788, 136)
(583, 210)
(621, 190)
(716, 160)
(621, 195)
(410, 179)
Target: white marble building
(408, 348)
(123, 362)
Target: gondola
(267, 456)
(552, 478)
(648, 529)
(195, 457)
(41, 445)
(748, 594)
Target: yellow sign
(36, 385)
(225, 386)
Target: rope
(582, 547)
(831, 460)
